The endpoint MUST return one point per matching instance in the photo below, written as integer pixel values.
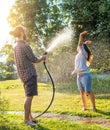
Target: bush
(3, 108)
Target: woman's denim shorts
(84, 82)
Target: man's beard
(24, 37)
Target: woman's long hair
(90, 55)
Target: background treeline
(45, 18)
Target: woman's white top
(80, 61)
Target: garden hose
(53, 94)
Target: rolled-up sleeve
(81, 48)
(29, 53)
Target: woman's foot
(84, 109)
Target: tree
(42, 19)
(7, 68)
(90, 15)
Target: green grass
(15, 122)
(64, 102)
(67, 101)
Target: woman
(84, 80)
(25, 59)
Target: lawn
(67, 102)
(14, 122)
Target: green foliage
(7, 68)
(7, 50)
(13, 122)
(7, 72)
(90, 15)
(3, 104)
(101, 60)
(44, 19)
(3, 108)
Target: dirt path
(103, 122)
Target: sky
(5, 6)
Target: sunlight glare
(4, 26)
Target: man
(25, 59)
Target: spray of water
(60, 39)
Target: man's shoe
(30, 123)
(35, 121)
(94, 109)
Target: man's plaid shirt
(25, 59)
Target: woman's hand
(83, 33)
(88, 42)
(81, 38)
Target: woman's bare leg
(83, 97)
(92, 98)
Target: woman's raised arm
(81, 38)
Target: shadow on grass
(103, 112)
(12, 127)
(39, 127)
